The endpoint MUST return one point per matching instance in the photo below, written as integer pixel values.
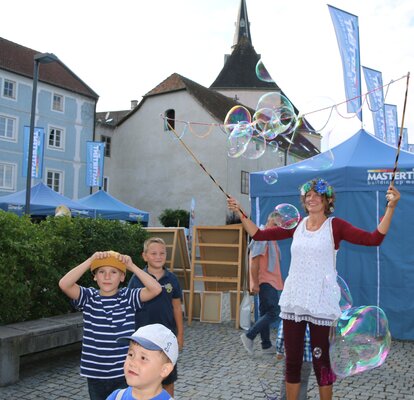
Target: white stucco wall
(151, 170)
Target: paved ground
(214, 365)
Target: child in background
(152, 354)
(108, 314)
(306, 365)
(266, 280)
(166, 308)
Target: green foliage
(33, 258)
(174, 218)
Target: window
(54, 179)
(57, 103)
(107, 141)
(9, 89)
(7, 127)
(56, 138)
(7, 176)
(245, 182)
(105, 183)
(169, 121)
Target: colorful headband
(319, 185)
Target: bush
(33, 258)
(174, 218)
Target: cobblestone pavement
(214, 365)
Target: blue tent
(43, 201)
(360, 171)
(108, 207)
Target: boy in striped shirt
(108, 314)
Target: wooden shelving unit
(221, 261)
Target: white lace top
(311, 292)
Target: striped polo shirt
(105, 319)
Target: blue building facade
(65, 110)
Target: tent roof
(360, 163)
(107, 206)
(43, 201)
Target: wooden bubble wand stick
(199, 163)
(401, 131)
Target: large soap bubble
(261, 72)
(238, 140)
(255, 148)
(283, 119)
(236, 115)
(359, 340)
(287, 216)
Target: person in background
(266, 280)
(166, 308)
(311, 293)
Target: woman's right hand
(233, 204)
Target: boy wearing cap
(108, 314)
(152, 354)
(166, 308)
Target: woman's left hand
(393, 196)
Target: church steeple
(242, 25)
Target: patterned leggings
(294, 333)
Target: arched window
(169, 119)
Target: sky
(123, 49)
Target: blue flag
(374, 83)
(347, 35)
(37, 151)
(391, 123)
(94, 163)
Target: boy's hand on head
(99, 255)
(127, 260)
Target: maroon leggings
(294, 333)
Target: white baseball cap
(156, 337)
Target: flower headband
(319, 185)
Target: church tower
(238, 78)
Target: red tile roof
(19, 60)
(218, 106)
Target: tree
(174, 218)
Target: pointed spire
(242, 25)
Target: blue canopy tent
(360, 171)
(43, 201)
(108, 207)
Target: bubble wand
(401, 131)
(199, 162)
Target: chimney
(134, 103)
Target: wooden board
(221, 260)
(196, 304)
(211, 306)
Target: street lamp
(41, 58)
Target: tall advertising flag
(94, 163)
(347, 34)
(391, 123)
(374, 83)
(37, 151)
